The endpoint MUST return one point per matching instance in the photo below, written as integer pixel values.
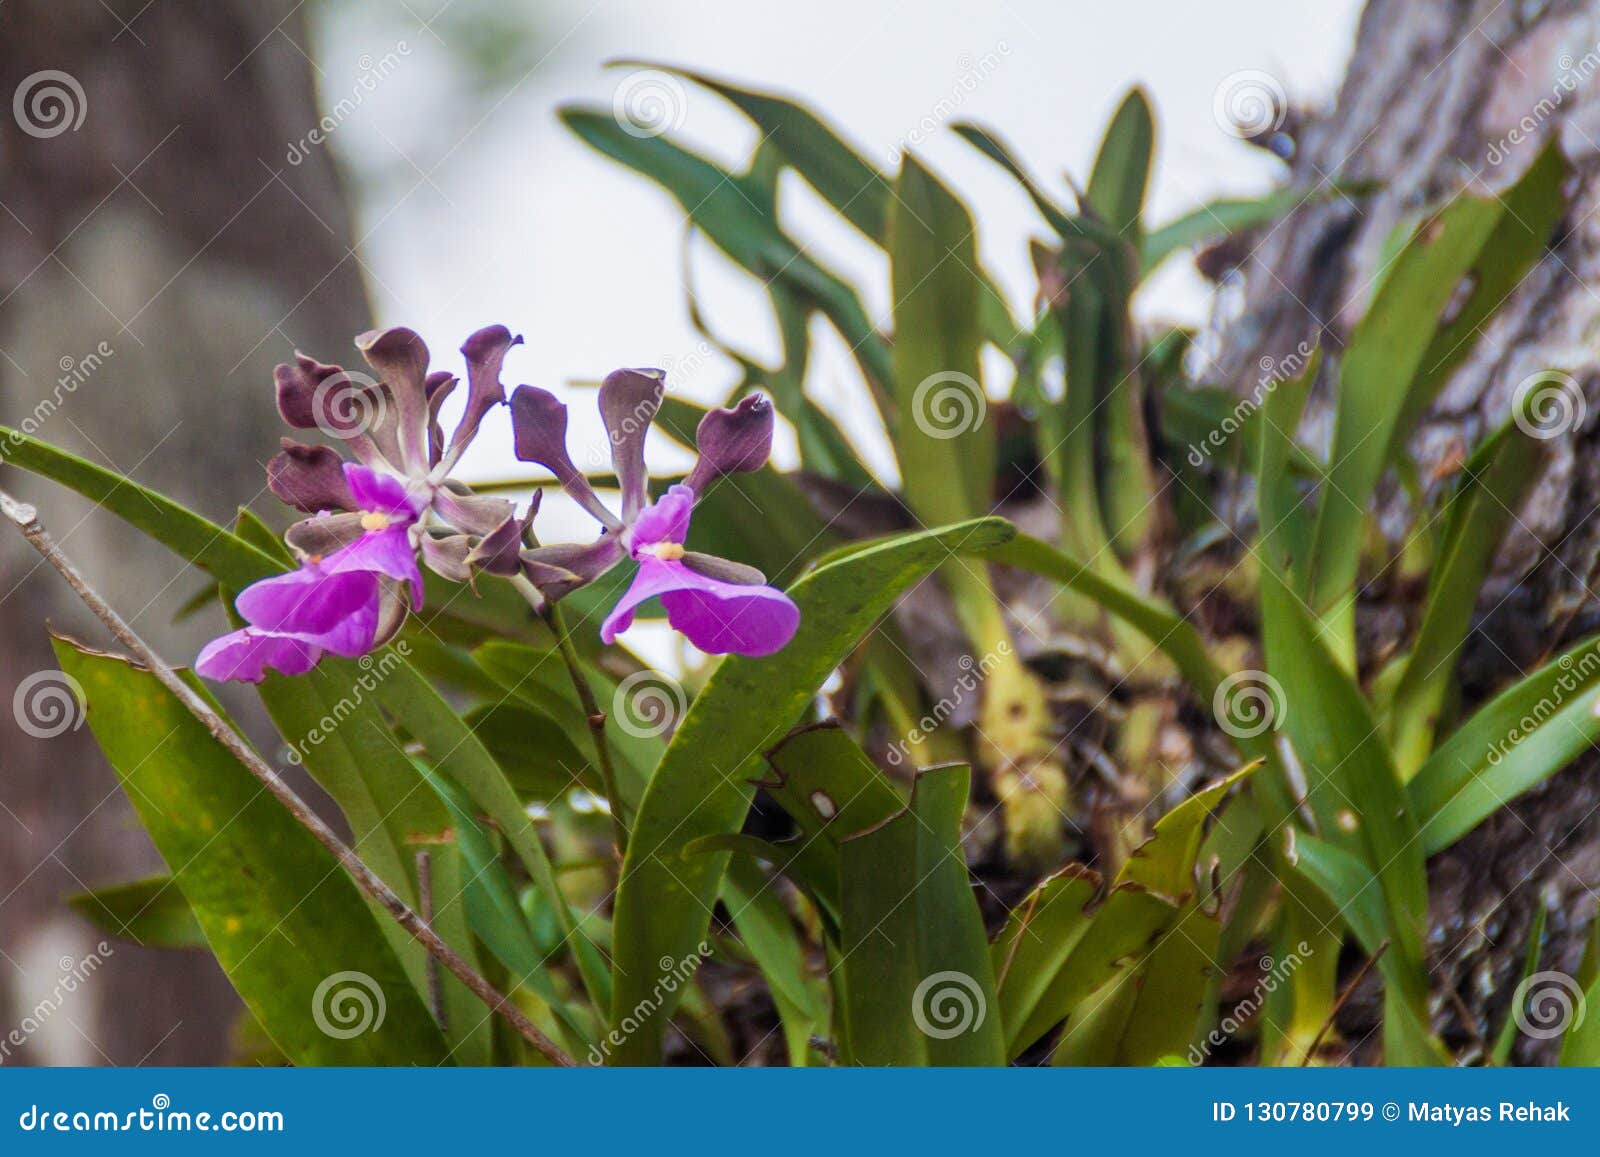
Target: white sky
(477, 211)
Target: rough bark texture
(155, 262)
(1440, 95)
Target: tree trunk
(156, 259)
(1439, 96)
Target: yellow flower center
(666, 551)
(373, 520)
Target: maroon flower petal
(401, 358)
(440, 385)
(470, 513)
(561, 569)
(309, 478)
(485, 352)
(722, 569)
(732, 441)
(498, 552)
(446, 556)
(629, 401)
(317, 537)
(539, 425)
(315, 395)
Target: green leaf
(1351, 784)
(918, 985)
(1225, 217)
(1452, 273)
(1361, 902)
(1507, 1040)
(1515, 742)
(1475, 517)
(541, 761)
(701, 787)
(835, 169)
(225, 557)
(944, 445)
(769, 934)
(490, 902)
(454, 751)
(1121, 171)
(329, 718)
(290, 929)
(718, 204)
(151, 912)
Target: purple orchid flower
(358, 575)
(721, 607)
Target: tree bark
(156, 260)
(1440, 96)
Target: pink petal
(666, 520)
(381, 493)
(337, 612)
(386, 552)
(248, 654)
(718, 617)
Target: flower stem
(27, 521)
(551, 613)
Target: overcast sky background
(475, 205)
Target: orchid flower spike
(721, 607)
(358, 572)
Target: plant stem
(551, 613)
(26, 520)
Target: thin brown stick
(27, 521)
(1338, 1005)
